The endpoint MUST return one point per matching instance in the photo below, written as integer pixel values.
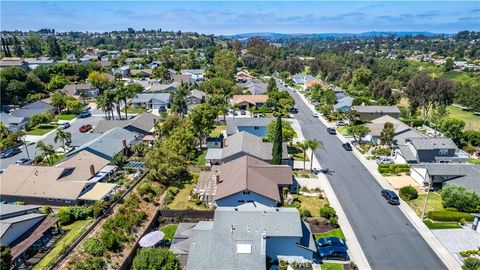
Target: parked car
(384, 160)
(10, 152)
(23, 161)
(330, 241)
(347, 146)
(333, 253)
(64, 125)
(84, 114)
(390, 196)
(294, 110)
(85, 128)
(243, 112)
(341, 123)
(332, 131)
(315, 115)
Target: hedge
(415, 121)
(449, 216)
(393, 168)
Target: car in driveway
(85, 128)
(315, 115)
(347, 146)
(390, 196)
(243, 112)
(10, 152)
(331, 131)
(23, 161)
(384, 160)
(333, 253)
(84, 114)
(330, 241)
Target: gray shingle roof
(468, 174)
(146, 97)
(11, 209)
(249, 144)
(433, 143)
(407, 153)
(28, 110)
(214, 244)
(234, 122)
(143, 122)
(377, 109)
(343, 102)
(10, 119)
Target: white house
(157, 101)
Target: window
(59, 200)
(256, 128)
(240, 201)
(443, 151)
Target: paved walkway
(456, 240)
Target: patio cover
(22, 246)
(98, 192)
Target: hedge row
(393, 168)
(449, 216)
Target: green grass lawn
(169, 231)
(55, 159)
(434, 203)
(312, 204)
(218, 130)
(296, 153)
(67, 116)
(181, 201)
(73, 232)
(41, 130)
(343, 130)
(136, 110)
(473, 161)
(331, 266)
(335, 233)
(200, 160)
(472, 121)
(441, 225)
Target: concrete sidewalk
(354, 248)
(426, 233)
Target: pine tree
(387, 134)
(277, 142)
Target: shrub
(449, 216)
(333, 221)
(460, 198)
(155, 258)
(94, 247)
(305, 213)
(145, 188)
(471, 264)
(111, 240)
(327, 212)
(408, 193)
(198, 201)
(73, 213)
(468, 253)
(382, 151)
(90, 264)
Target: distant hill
(269, 35)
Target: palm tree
(130, 91)
(313, 145)
(20, 136)
(47, 151)
(118, 97)
(304, 146)
(62, 136)
(106, 102)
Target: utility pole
(426, 200)
(26, 147)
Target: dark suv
(10, 152)
(331, 131)
(347, 146)
(390, 196)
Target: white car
(342, 123)
(384, 160)
(315, 115)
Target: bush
(408, 193)
(333, 221)
(393, 168)
(468, 253)
(155, 258)
(198, 201)
(73, 213)
(146, 188)
(305, 213)
(94, 247)
(415, 121)
(382, 151)
(460, 198)
(327, 212)
(471, 264)
(90, 264)
(449, 216)
(111, 240)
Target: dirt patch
(319, 225)
(403, 180)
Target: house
(37, 107)
(300, 79)
(245, 101)
(255, 86)
(141, 72)
(78, 89)
(23, 227)
(108, 144)
(123, 71)
(255, 126)
(431, 150)
(180, 78)
(132, 60)
(244, 237)
(243, 76)
(368, 113)
(33, 63)
(8, 62)
(214, 142)
(162, 87)
(246, 144)
(438, 175)
(13, 123)
(196, 97)
(195, 74)
(248, 179)
(343, 104)
(402, 131)
(310, 83)
(142, 124)
(156, 101)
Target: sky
(233, 17)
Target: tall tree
(100, 80)
(62, 136)
(179, 100)
(53, 49)
(388, 131)
(47, 151)
(272, 85)
(452, 128)
(313, 145)
(59, 99)
(359, 132)
(130, 91)
(5, 258)
(304, 146)
(202, 118)
(277, 142)
(225, 62)
(17, 47)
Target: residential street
(386, 236)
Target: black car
(243, 112)
(330, 241)
(390, 196)
(347, 146)
(333, 253)
(332, 131)
(10, 153)
(294, 110)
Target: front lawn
(41, 130)
(441, 225)
(73, 231)
(67, 116)
(473, 161)
(331, 266)
(472, 121)
(169, 231)
(333, 233)
(181, 201)
(343, 130)
(434, 203)
(135, 110)
(296, 153)
(218, 130)
(310, 203)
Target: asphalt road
(73, 129)
(386, 236)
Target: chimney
(92, 170)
